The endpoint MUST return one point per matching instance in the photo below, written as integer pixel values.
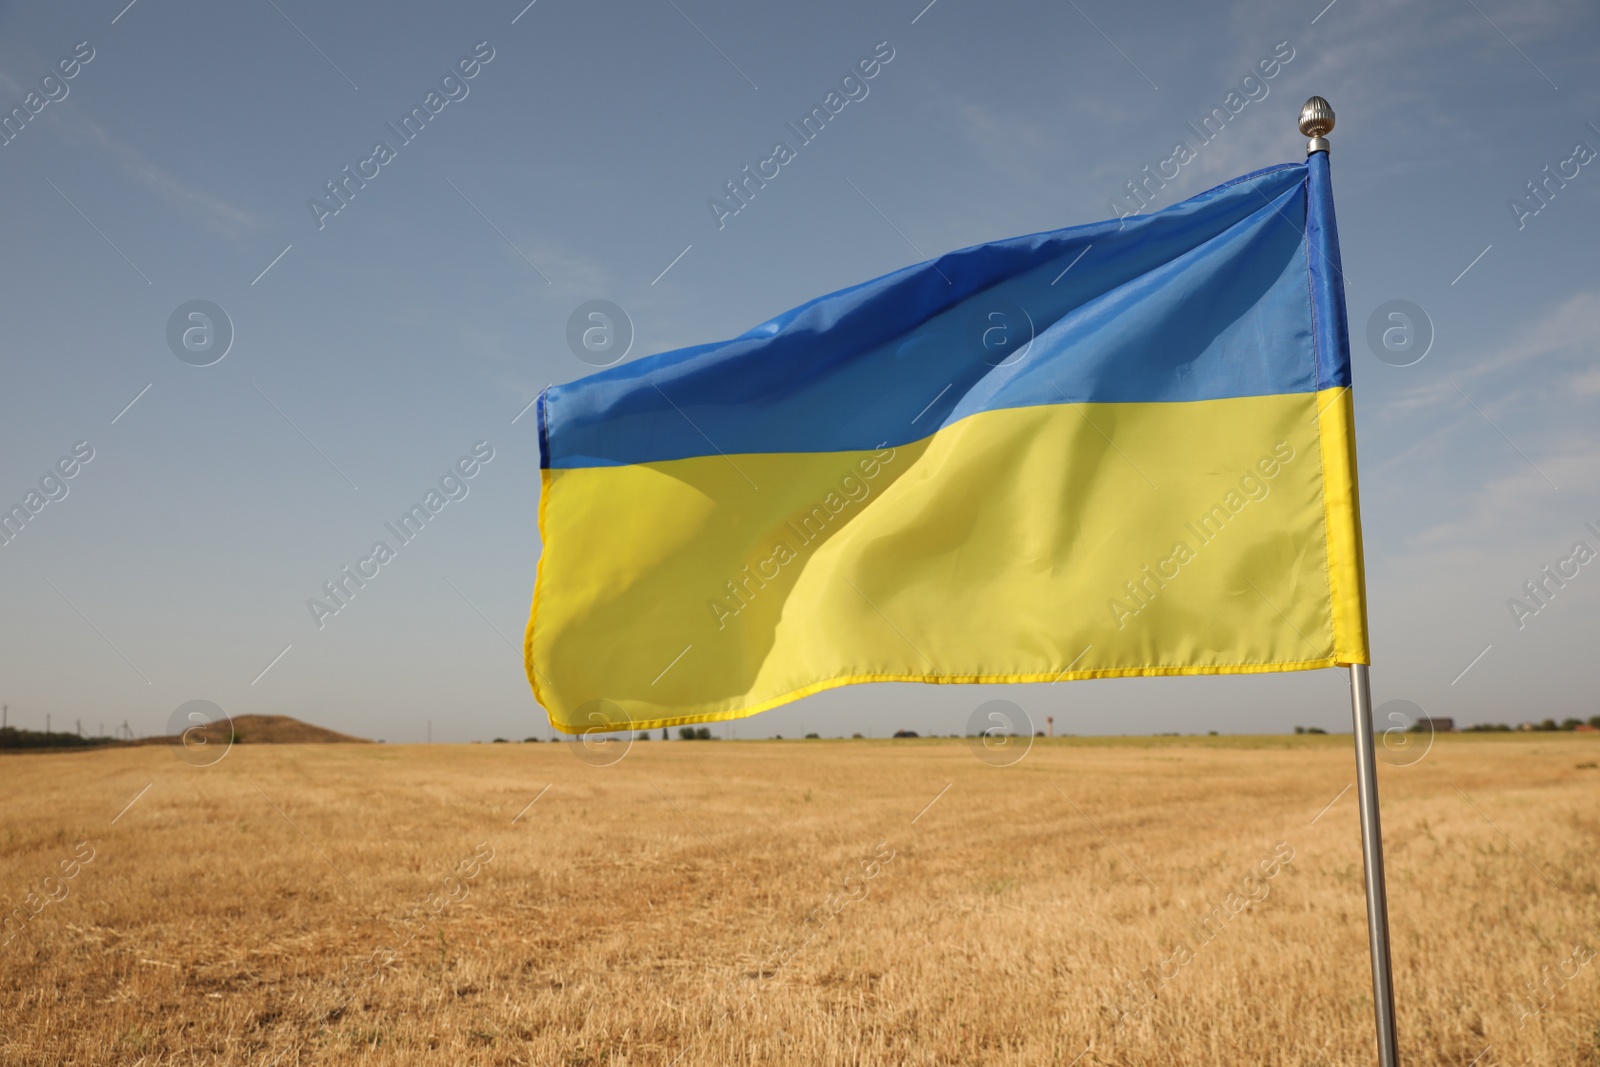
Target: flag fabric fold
(1118, 449)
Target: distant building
(1436, 726)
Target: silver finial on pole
(1316, 121)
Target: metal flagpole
(1316, 121)
(1372, 861)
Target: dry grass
(656, 911)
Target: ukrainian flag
(1122, 449)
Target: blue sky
(373, 348)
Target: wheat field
(1122, 901)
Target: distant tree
(686, 733)
(812, 737)
(1548, 724)
(12, 737)
(905, 733)
(1315, 730)
(500, 741)
(643, 735)
(663, 733)
(531, 740)
(1571, 724)
(1211, 733)
(855, 737)
(1299, 729)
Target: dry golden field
(819, 902)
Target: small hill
(265, 730)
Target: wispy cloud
(205, 208)
(1535, 384)
(1510, 514)
(1561, 339)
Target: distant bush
(11, 737)
(531, 740)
